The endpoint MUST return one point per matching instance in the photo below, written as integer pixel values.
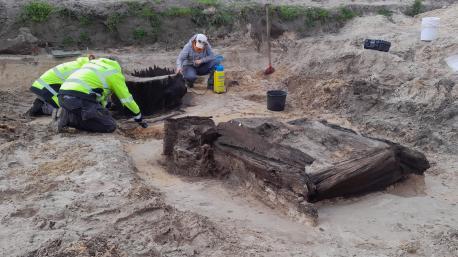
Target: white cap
(201, 40)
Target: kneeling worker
(195, 59)
(47, 86)
(83, 97)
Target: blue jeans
(190, 72)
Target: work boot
(189, 84)
(210, 81)
(209, 86)
(62, 120)
(36, 108)
(54, 115)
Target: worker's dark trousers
(190, 72)
(87, 115)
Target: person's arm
(182, 57)
(119, 87)
(210, 56)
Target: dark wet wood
(187, 146)
(300, 160)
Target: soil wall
(98, 24)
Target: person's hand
(198, 62)
(138, 118)
(179, 71)
(140, 121)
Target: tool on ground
(64, 54)
(269, 69)
(219, 78)
(143, 124)
(379, 45)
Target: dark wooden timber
(298, 162)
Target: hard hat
(201, 40)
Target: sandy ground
(80, 194)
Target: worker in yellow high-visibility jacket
(47, 86)
(83, 97)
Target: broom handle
(268, 34)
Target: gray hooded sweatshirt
(188, 55)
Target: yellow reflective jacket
(100, 78)
(52, 79)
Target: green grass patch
(247, 12)
(385, 12)
(416, 8)
(346, 14)
(207, 2)
(84, 38)
(148, 12)
(113, 21)
(222, 17)
(315, 16)
(85, 20)
(178, 11)
(289, 12)
(139, 34)
(36, 11)
(152, 16)
(68, 41)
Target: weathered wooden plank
(292, 163)
(237, 135)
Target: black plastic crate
(379, 45)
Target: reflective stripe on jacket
(57, 76)
(100, 78)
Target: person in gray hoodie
(196, 59)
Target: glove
(138, 118)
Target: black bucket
(276, 100)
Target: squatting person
(47, 86)
(84, 95)
(196, 59)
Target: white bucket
(429, 28)
(452, 61)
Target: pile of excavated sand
(408, 93)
